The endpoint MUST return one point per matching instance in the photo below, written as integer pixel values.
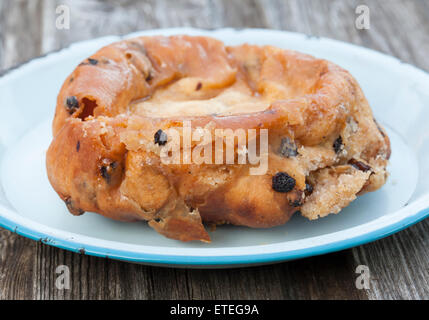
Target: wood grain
(399, 264)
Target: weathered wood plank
(18, 42)
(16, 266)
(399, 263)
(20, 31)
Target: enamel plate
(398, 94)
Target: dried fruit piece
(160, 137)
(106, 171)
(295, 203)
(92, 61)
(282, 182)
(362, 166)
(308, 189)
(72, 104)
(338, 144)
(288, 148)
(76, 211)
(149, 77)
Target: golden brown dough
(104, 158)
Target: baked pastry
(114, 111)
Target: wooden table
(399, 264)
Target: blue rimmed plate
(398, 94)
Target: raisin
(338, 144)
(107, 170)
(92, 61)
(69, 203)
(282, 182)
(78, 146)
(288, 148)
(308, 189)
(149, 77)
(72, 104)
(295, 203)
(160, 137)
(104, 173)
(199, 86)
(360, 165)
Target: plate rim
(46, 236)
(70, 241)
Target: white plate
(398, 94)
